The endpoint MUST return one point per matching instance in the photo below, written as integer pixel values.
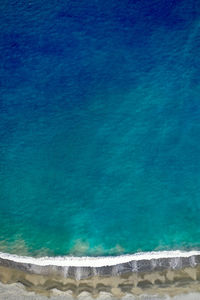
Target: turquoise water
(99, 127)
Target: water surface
(99, 126)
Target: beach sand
(16, 291)
(17, 284)
(172, 276)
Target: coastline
(153, 273)
(99, 261)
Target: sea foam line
(100, 261)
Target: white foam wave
(100, 261)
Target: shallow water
(99, 127)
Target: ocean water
(99, 126)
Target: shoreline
(153, 273)
(99, 261)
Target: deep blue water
(99, 126)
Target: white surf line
(100, 261)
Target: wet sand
(16, 291)
(172, 277)
(160, 283)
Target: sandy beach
(156, 275)
(17, 291)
